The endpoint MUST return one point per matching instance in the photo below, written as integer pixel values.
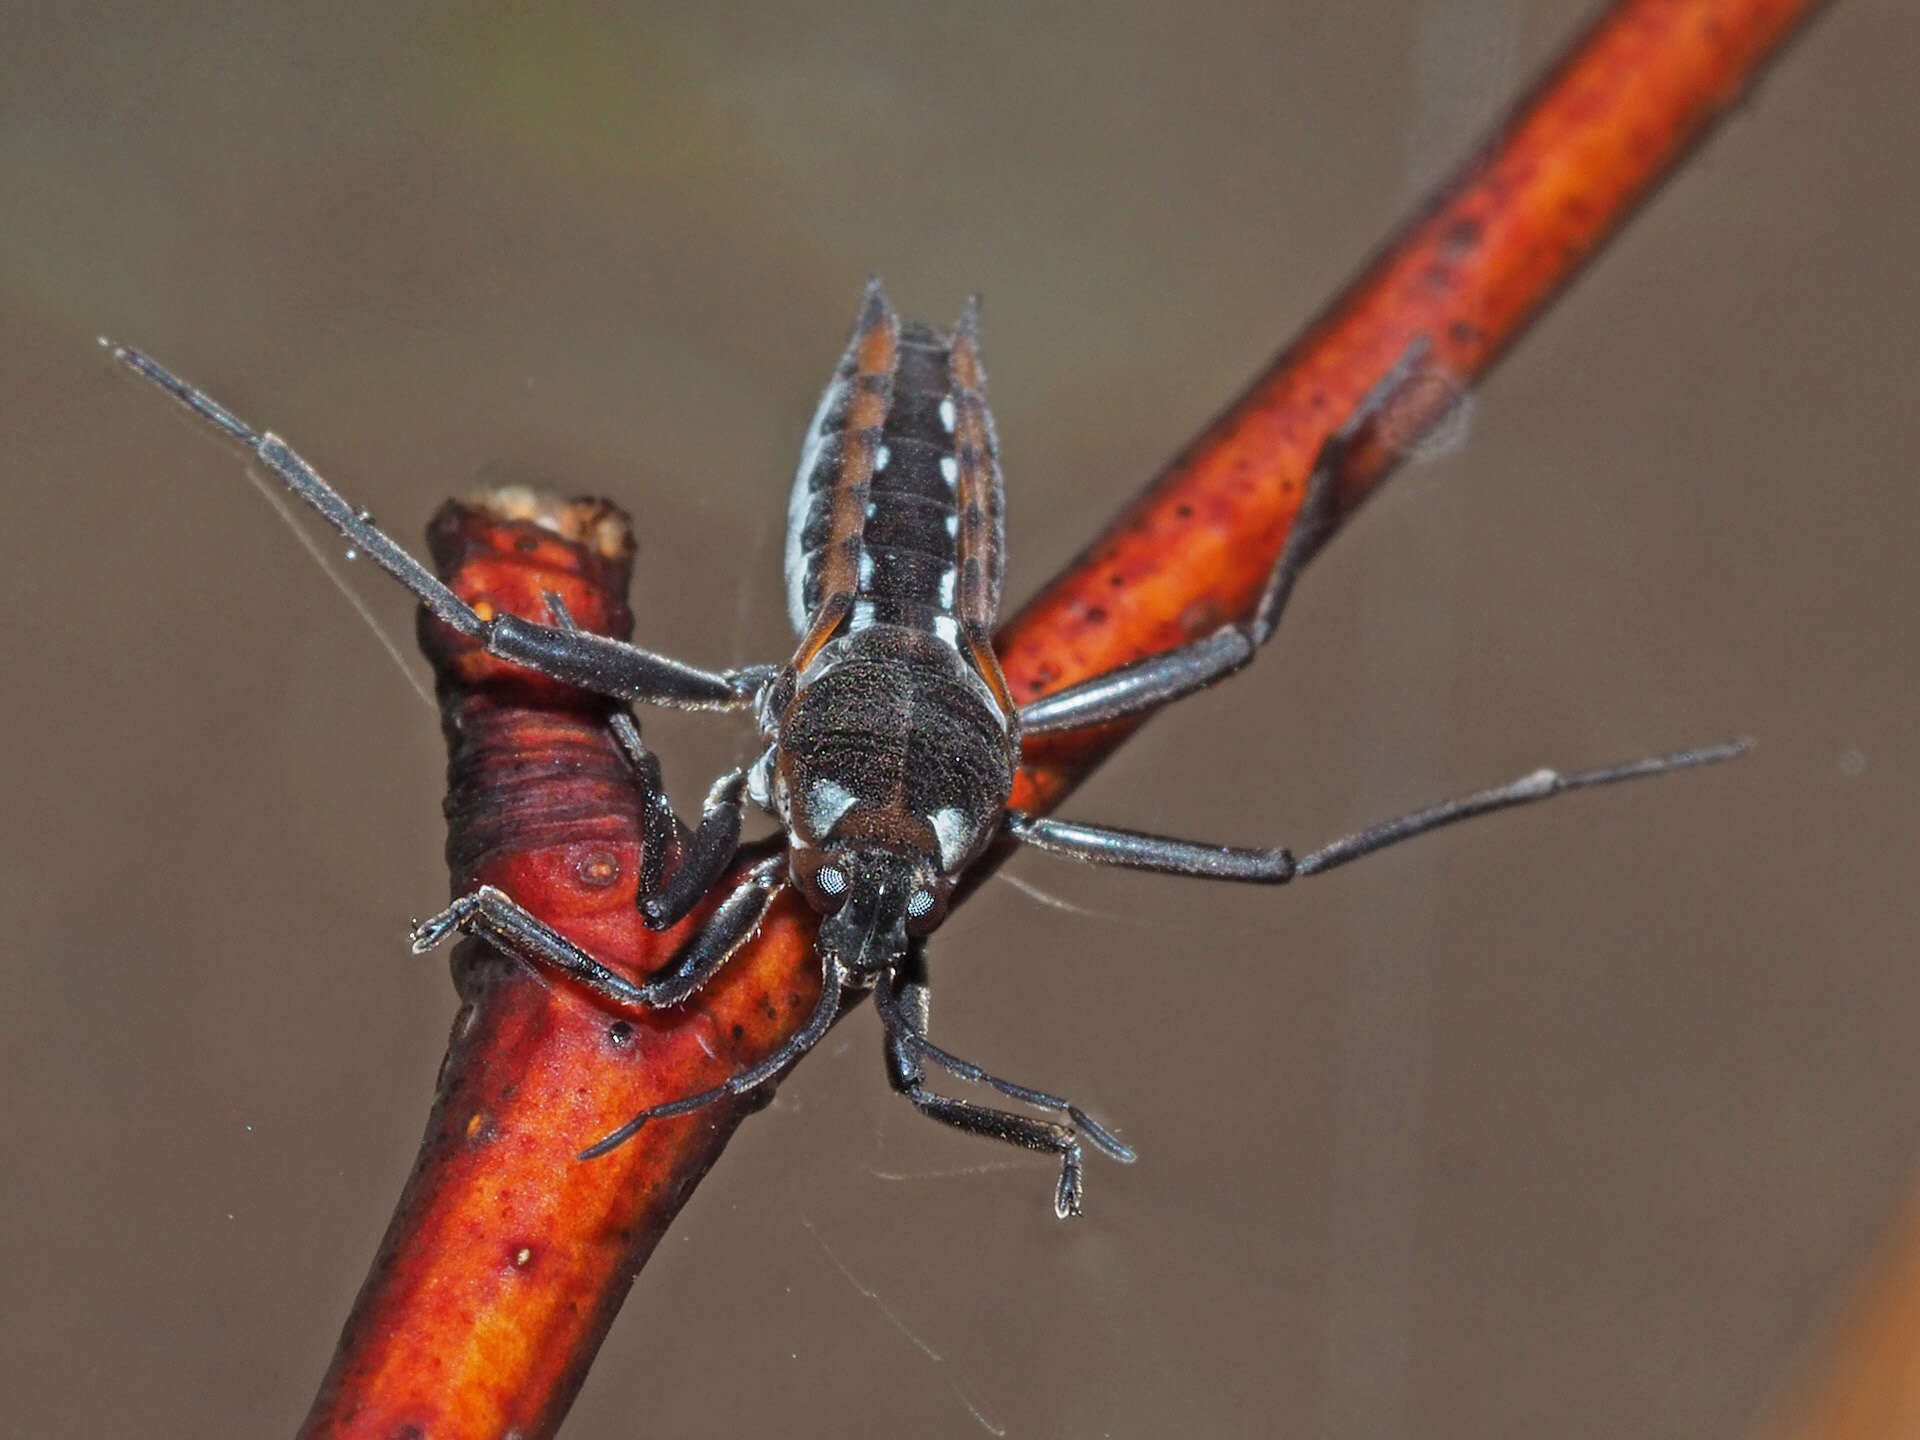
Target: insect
(890, 738)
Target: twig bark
(507, 1259)
(1861, 1377)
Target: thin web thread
(324, 561)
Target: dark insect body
(890, 739)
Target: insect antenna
(303, 481)
(832, 981)
(1539, 785)
(211, 413)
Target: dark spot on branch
(1460, 237)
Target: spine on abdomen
(904, 568)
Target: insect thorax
(894, 741)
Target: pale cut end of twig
(596, 524)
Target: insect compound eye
(831, 879)
(919, 904)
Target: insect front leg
(514, 930)
(591, 662)
(833, 982)
(903, 1005)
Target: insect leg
(699, 859)
(516, 931)
(1158, 680)
(833, 981)
(1134, 850)
(706, 857)
(702, 858)
(905, 1009)
(663, 838)
(592, 662)
(902, 1005)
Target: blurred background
(1573, 1122)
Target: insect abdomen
(900, 538)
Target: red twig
(1861, 1380)
(507, 1259)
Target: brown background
(1568, 1123)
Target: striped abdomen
(881, 500)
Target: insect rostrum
(889, 738)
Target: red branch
(507, 1259)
